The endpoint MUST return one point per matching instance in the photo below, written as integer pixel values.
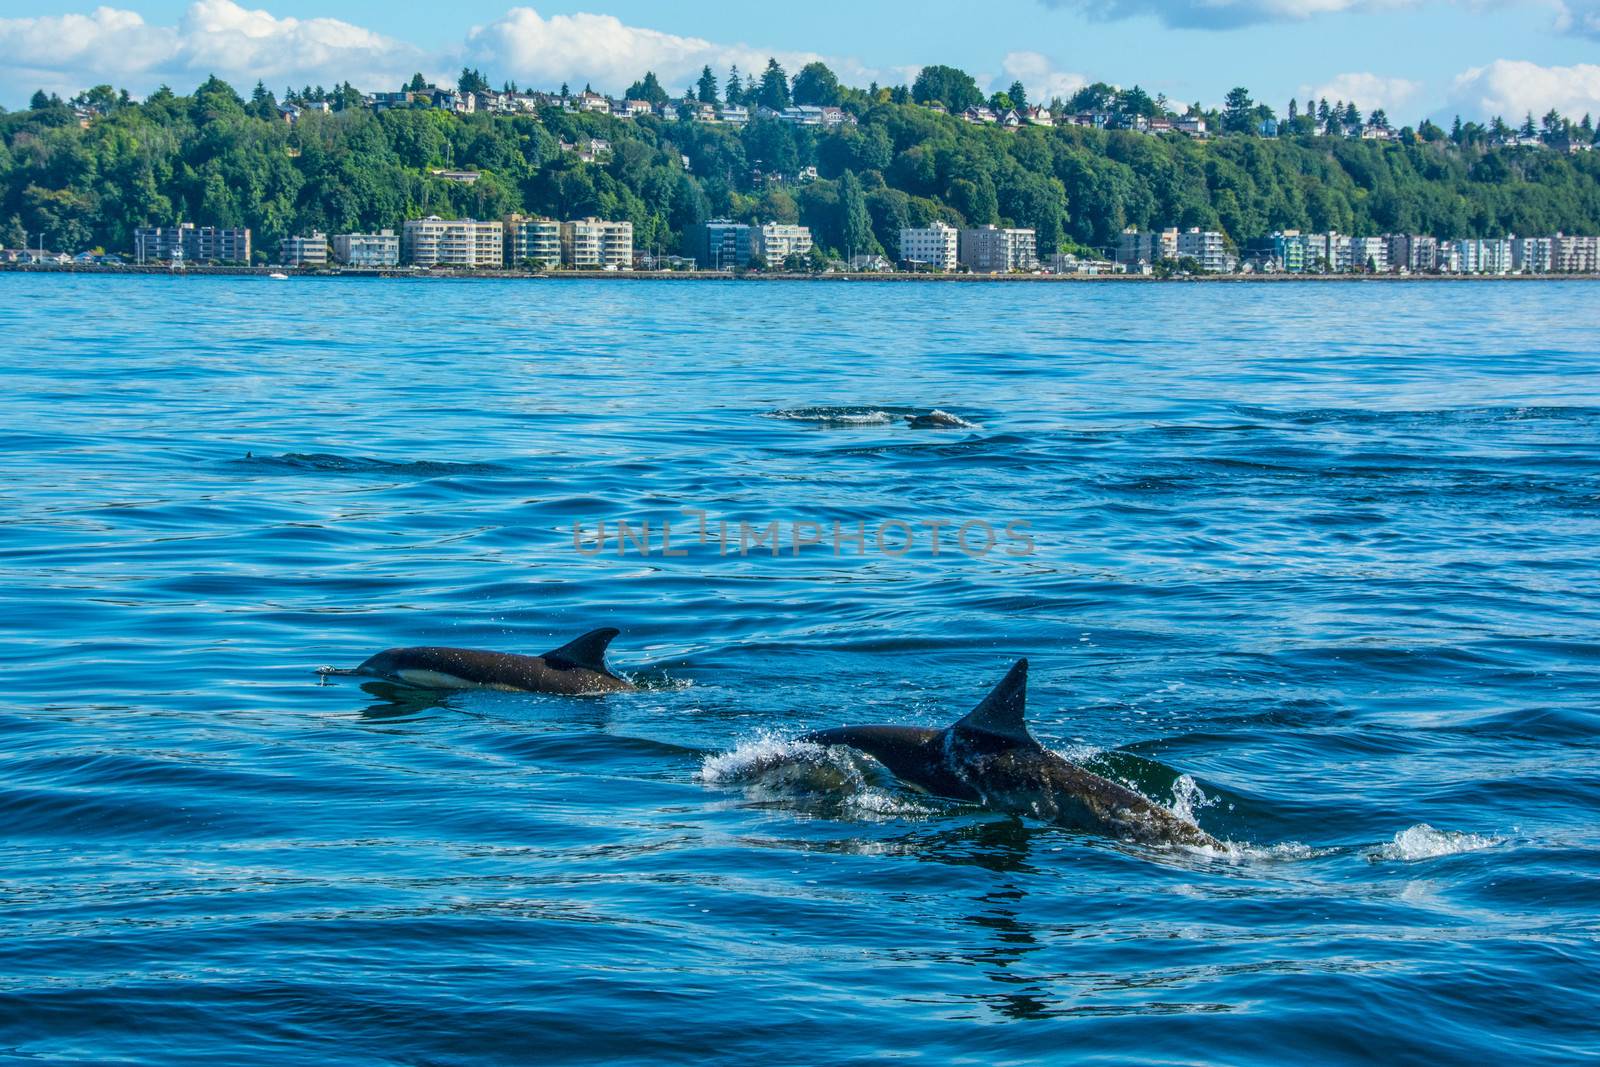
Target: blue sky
(1414, 58)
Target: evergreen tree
(417, 83)
(1238, 112)
(855, 223)
(472, 81)
(707, 87)
(1019, 95)
(647, 88)
(774, 90)
(735, 86)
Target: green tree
(818, 86)
(648, 88)
(417, 83)
(774, 90)
(1238, 112)
(949, 86)
(472, 81)
(735, 86)
(707, 86)
(855, 222)
(1019, 95)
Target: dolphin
(577, 667)
(990, 757)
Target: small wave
(1423, 842)
(327, 462)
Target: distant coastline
(774, 276)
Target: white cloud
(64, 53)
(1512, 88)
(1039, 76)
(1578, 16)
(1223, 14)
(111, 43)
(219, 35)
(610, 54)
(1368, 92)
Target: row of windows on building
(582, 244)
(1297, 253)
(982, 249)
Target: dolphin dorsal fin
(1000, 715)
(587, 652)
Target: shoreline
(722, 276)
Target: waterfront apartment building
(775, 242)
(1417, 253)
(990, 249)
(381, 249)
(1289, 249)
(1478, 255)
(533, 240)
(1136, 246)
(1533, 255)
(1205, 247)
(596, 244)
(1369, 253)
(720, 244)
(1575, 255)
(188, 242)
(436, 242)
(936, 245)
(305, 251)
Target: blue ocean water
(1314, 563)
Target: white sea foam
(750, 758)
(838, 416)
(1423, 842)
(772, 769)
(940, 413)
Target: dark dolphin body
(990, 757)
(578, 667)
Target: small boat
(278, 276)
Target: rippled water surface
(1316, 563)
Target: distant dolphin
(990, 757)
(575, 668)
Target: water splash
(1423, 842)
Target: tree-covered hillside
(217, 158)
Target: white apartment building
(1477, 255)
(936, 245)
(1369, 252)
(306, 251)
(381, 249)
(990, 249)
(775, 242)
(596, 244)
(436, 242)
(1579, 255)
(530, 240)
